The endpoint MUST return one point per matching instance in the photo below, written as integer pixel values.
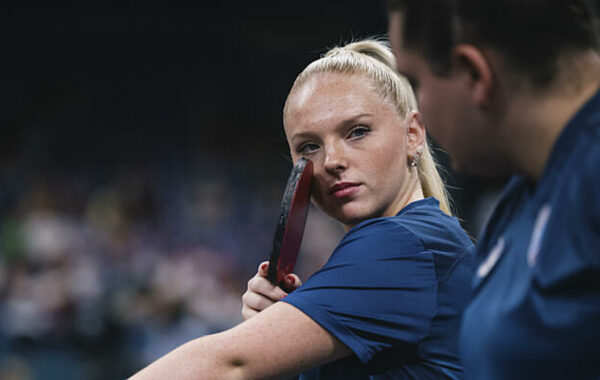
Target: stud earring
(416, 157)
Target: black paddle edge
(286, 203)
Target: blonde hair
(374, 59)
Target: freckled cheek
(318, 187)
(317, 198)
(388, 155)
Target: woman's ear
(415, 130)
(477, 71)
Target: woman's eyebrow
(352, 119)
(355, 117)
(303, 135)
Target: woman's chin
(352, 219)
(349, 214)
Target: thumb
(291, 282)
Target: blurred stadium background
(141, 165)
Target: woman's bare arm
(279, 342)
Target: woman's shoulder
(420, 226)
(384, 236)
(380, 230)
(422, 217)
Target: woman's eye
(307, 148)
(358, 132)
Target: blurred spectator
(98, 280)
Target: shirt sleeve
(377, 291)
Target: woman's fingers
(253, 303)
(263, 269)
(291, 282)
(262, 286)
(260, 293)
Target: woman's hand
(262, 294)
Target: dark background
(101, 86)
(141, 163)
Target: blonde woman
(388, 301)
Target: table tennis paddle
(292, 218)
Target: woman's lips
(343, 190)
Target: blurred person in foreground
(388, 301)
(511, 87)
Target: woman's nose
(335, 158)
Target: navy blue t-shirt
(393, 291)
(535, 312)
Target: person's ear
(477, 70)
(415, 130)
